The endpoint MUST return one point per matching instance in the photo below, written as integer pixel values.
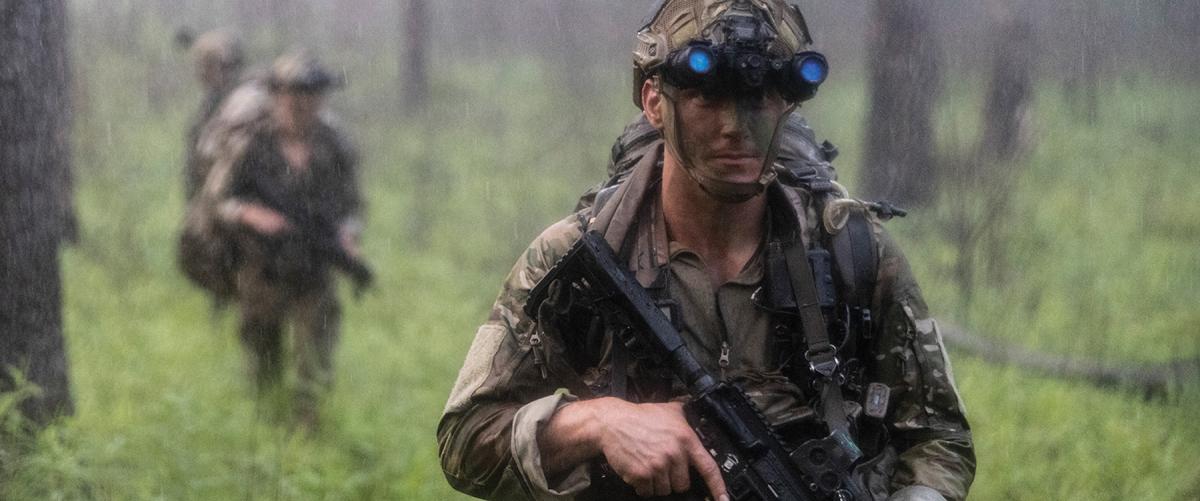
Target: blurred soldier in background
(283, 196)
(218, 60)
(722, 222)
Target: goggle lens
(700, 60)
(812, 68)
(724, 70)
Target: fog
(1045, 153)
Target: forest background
(1082, 245)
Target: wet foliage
(1095, 254)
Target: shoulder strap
(840, 267)
(856, 258)
(819, 352)
(602, 198)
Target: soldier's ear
(652, 101)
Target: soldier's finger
(708, 470)
(643, 488)
(662, 483)
(680, 478)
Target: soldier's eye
(758, 102)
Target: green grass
(1100, 259)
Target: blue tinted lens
(700, 61)
(813, 70)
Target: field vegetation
(1096, 257)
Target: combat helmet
(218, 48)
(773, 28)
(301, 71)
(732, 48)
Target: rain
(1043, 154)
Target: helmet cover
(676, 23)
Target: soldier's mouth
(737, 158)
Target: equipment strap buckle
(822, 359)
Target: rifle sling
(820, 353)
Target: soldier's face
(725, 137)
(299, 109)
(213, 74)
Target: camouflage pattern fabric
(279, 279)
(194, 163)
(916, 493)
(272, 283)
(218, 60)
(264, 305)
(519, 370)
(206, 253)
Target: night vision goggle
(732, 70)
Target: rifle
(753, 460)
(315, 234)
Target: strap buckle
(822, 359)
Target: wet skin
(727, 137)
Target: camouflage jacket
(520, 370)
(328, 188)
(194, 163)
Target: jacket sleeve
(505, 392)
(216, 197)
(926, 419)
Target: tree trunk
(1183, 23)
(980, 187)
(1010, 92)
(414, 66)
(905, 84)
(35, 209)
(1084, 80)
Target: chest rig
(820, 297)
(818, 286)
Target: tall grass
(1100, 256)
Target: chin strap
(725, 191)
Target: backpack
(206, 251)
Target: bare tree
(1010, 90)
(982, 183)
(905, 84)
(1183, 29)
(1088, 37)
(414, 62)
(413, 78)
(35, 212)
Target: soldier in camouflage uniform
(535, 407)
(218, 60)
(291, 156)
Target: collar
(633, 224)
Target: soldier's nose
(734, 122)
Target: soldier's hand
(264, 220)
(348, 239)
(652, 448)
